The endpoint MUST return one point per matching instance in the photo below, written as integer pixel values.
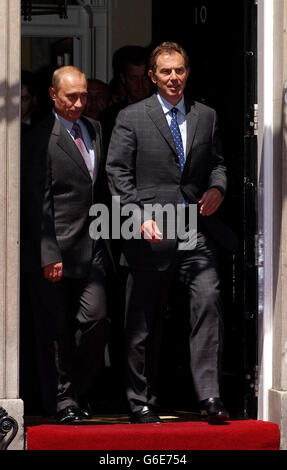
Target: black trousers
(71, 330)
(146, 301)
(82, 331)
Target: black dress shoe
(214, 410)
(69, 415)
(86, 409)
(144, 416)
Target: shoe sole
(218, 419)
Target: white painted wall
(130, 24)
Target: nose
(173, 75)
(80, 102)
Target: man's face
(170, 76)
(27, 101)
(98, 99)
(70, 98)
(137, 82)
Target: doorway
(220, 38)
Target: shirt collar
(166, 106)
(67, 124)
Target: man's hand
(150, 231)
(210, 201)
(53, 272)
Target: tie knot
(174, 111)
(76, 128)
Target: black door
(220, 38)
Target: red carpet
(235, 435)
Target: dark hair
(126, 55)
(167, 46)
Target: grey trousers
(146, 301)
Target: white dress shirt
(181, 116)
(86, 136)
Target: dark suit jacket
(143, 167)
(57, 193)
(108, 118)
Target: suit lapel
(65, 142)
(96, 145)
(156, 113)
(192, 117)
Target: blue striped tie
(174, 127)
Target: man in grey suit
(161, 155)
(64, 174)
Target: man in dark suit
(149, 163)
(63, 176)
(130, 70)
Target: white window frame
(88, 23)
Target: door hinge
(254, 122)
(256, 250)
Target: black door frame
(221, 39)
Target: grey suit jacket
(143, 167)
(57, 196)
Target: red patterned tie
(81, 146)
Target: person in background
(28, 101)
(130, 84)
(131, 81)
(99, 98)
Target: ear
(52, 93)
(152, 76)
